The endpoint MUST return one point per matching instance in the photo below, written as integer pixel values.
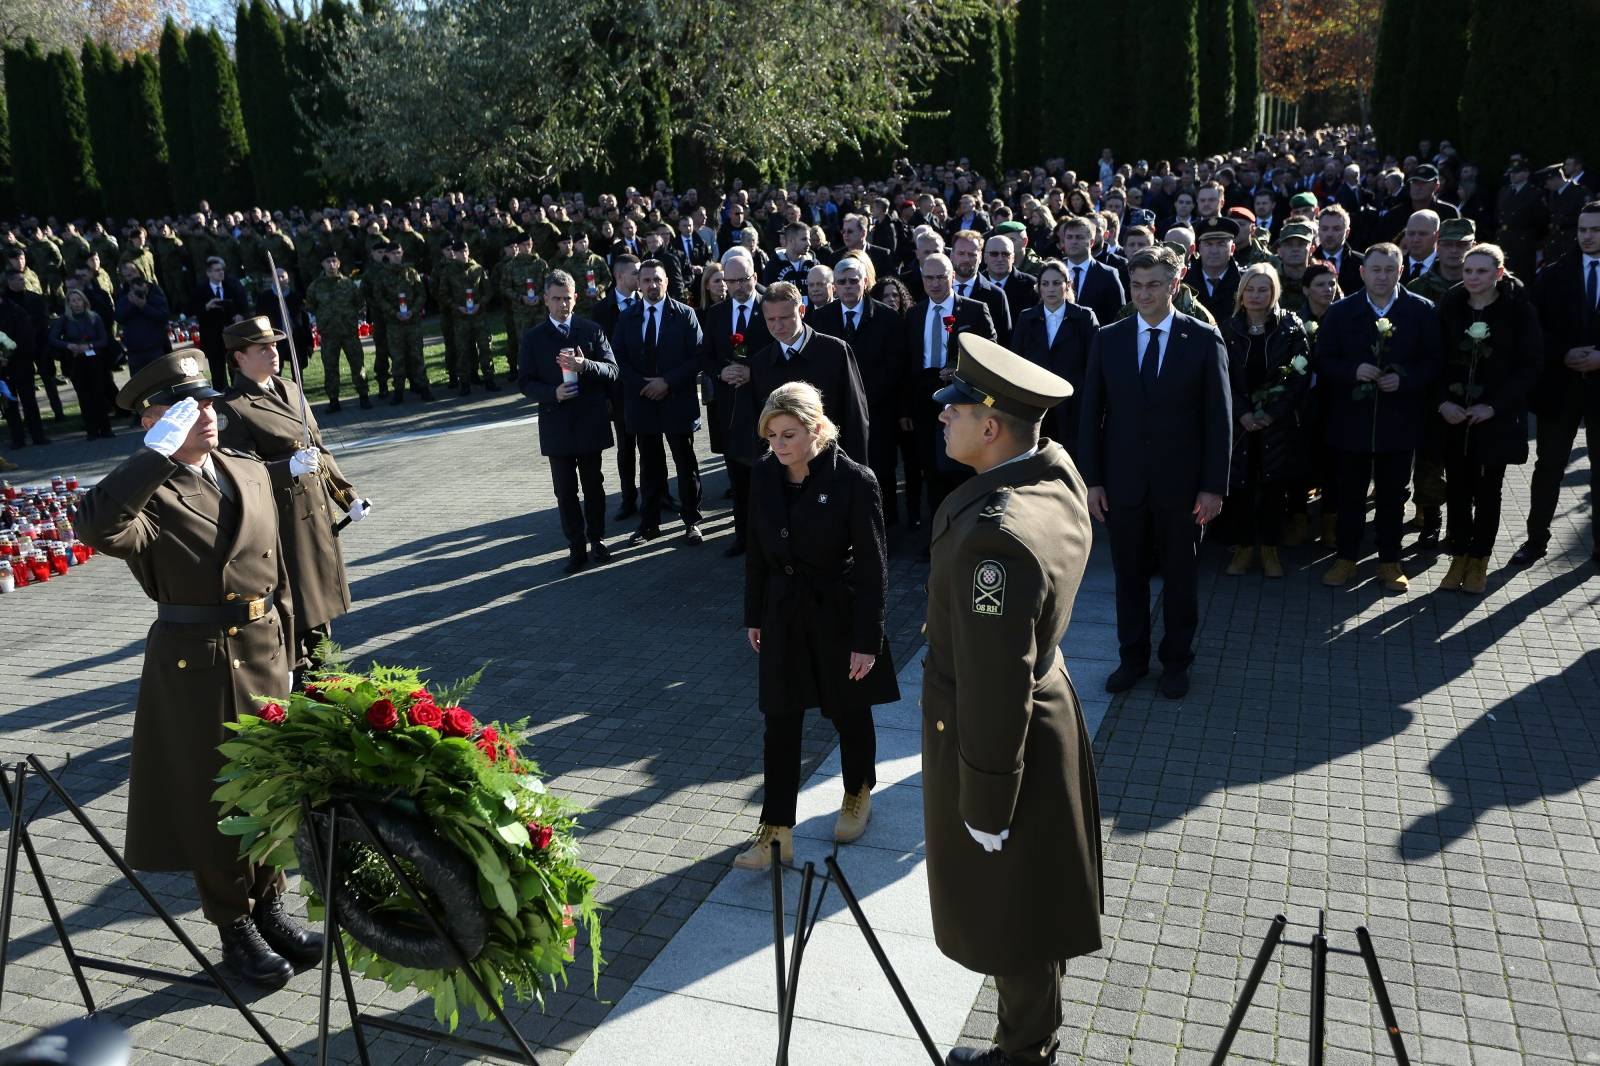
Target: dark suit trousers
(1029, 1012)
(1390, 472)
(653, 477)
(1556, 432)
(780, 756)
(882, 444)
(1170, 533)
(627, 460)
(929, 431)
(739, 478)
(23, 412)
(585, 522)
(226, 891)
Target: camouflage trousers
(345, 342)
(380, 351)
(472, 347)
(447, 329)
(406, 341)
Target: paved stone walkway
(1423, 764)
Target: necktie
(1077, 281)
(216, 291)
(563, 328)
(936, 337)
(1415, 271)
(1592, 290)
(964, 287)
(850, 316)
(788, 353)
(650, 339)
(1150, 366)
(744, 319)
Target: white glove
(359, 509)
(305, 461)
(989, 841)
(172, 429)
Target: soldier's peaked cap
(175, 376)
(992, 376)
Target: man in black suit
(797, 352)
(853, 231)
(930, 331)
(692, 252)
(1155, 436)
(966, 255)
(1568, 295)
(220, 302)
(627, 242)
(658, 246)
(925, 241)
(1057, 334)
(1333, 247)
(1094, 285)
(1020, 290)
(876, 336)
(623, 295)
(968, 216)
(1217, 278)
(1350, 195)
(728, 360)
(566, 364)
(658, 343)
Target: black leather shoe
(366, 403)
(1530, 552)
(332, 408)
(734, 550)
(1175, 682)
(640, 536)
(247, 956)
(693, 535)
(577, 559)
(989, 1056)
(1125, 677)
(293, 941)
(464, 390)
(599, 552)
(491, 386)
(397, 399)
(625, 512)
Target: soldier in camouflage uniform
(277, 244)
(1295, 241)
(372, 277)
(521, 287)
(170, 265)
(104, 243)
(1456, 235)
(74, 249)
(45, 258)
(337, 303)
(136, 250)
(447, 265)
(401, 294)
(587, 269)
(17, 259)
(466, 291)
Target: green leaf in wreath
(514, 833)
(239, 825)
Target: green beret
(1302, 199)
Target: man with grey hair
(734, 331)
(927, 241)
(1422, 242)
(819, 287)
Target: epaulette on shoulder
(994, 508)
(235, 453)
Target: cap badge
(188, 367)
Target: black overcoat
(1282, 449)
(1503, 376)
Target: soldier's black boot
(300, 945)
(366, 402)
(1432, 528)
(398, 398)
(489, 384)
(333, 406)
(989, 1056)
(245, 955)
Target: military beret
(1545, 173)
(331, 253)
(567, 235)
(1518, 166)
(1303, 199)
(1244, 214)
(457, 245)
(1298, 231)
(383, 244)
(1216, 227)
(175, 376)
(1424, 172)
(513, 237)
(990, 375)
(257, 330)
(1458, 229)
(1010, 226)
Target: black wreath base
(444, 876)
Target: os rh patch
(989, 588)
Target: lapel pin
(822, 498)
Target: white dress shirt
(1052, 323)
(932, 360)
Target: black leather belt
(215, 614)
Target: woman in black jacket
(1319, 290)
(83, 350)
(815, 579)
(1493, 356)
(1269, 370)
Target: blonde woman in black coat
(815, 580)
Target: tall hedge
(1536, 117)
(1430, 107)
(1389, 69)
(1166, 71)
(1025, 84)
(147, 174)
(1247, 71)
(1217, 73)
(8, 185)
(222, 151)
(72, 183)
(179, 120)
(975, 105)
(266, 102)
(102, 97)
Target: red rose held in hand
(540, 835)
(272, 714)
(949, 323)
(737, 339)
(425, 712)
(456, 722)
(382, 715)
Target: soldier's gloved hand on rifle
(305, 461)
(359, 509)
(172, 429)
(989, 841)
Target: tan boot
(1330, 531)
(1340, 573)
(853, 815)
(1476, 579)
(1453, 576)
(758, 856)
(1271, 565)
(1393, 578)
(1294, 534)
(1243, 556)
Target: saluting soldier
(198, 528)
(466, 291)
(264, 411)
(1010, 803)
(336, 301)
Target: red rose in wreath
(456, 722)
(540, 835)
(488, 750)
(382, 715)
(426, 712)
(272, 714)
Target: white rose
(1478, 331)
(1384, 327)
(7, 343)
(1299, 363)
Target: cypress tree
(8, 188)
(299, 47)
(176, 113)
(1217, 72)
(1025, 77)
(1431, 106)
(975, 106)
(222, 151)
(1167, 115)
(103, 102)
(147, 177)
(69, 159)
(1495, 121)
(26, 177)
(1389, 73)
(265, 102)
(1247, 71)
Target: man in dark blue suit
(566, 364)
(1155, 437)
(658, 343)
(737, 316)
(1057, 334)
(1094, 285)
(1377, 353)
